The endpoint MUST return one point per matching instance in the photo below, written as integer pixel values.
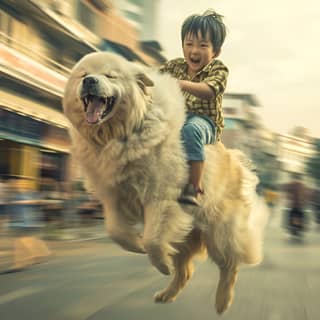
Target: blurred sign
(233, 108)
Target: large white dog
(126, 136)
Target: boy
(202, 79)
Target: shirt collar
(209, 65)
(205, 69)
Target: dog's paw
(163, 262)
(163, 297)
(164, 269)
(223, 302)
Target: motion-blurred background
(41, 40)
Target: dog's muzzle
(96, 107)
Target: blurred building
(244, 130)
(296, 148)
(143, 16)
(239, 119)
(266, 155)
(40, 41)
(33, 131)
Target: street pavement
(97, 280)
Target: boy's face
(198, 52)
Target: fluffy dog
(126, 136)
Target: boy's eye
(204, 45)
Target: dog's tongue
(94, 110)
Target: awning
(33, 142)
(12, 102)
(107, 45)
(19, 66)
(18, 138)
(65, 25)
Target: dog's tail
(258, 214)
(257, 221)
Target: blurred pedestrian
(271, 198)
(3, 204)
(23, 213)
(298, 195)
(316, 204)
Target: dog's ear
(144, 81)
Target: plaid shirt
(215, 75)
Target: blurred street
(97, 280)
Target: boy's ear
(216, 54)
(144, 81)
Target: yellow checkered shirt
(215, 75)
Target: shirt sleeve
(217, 79)
(166, 67)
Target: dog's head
(105, 89)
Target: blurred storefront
(244, 130)
(297, 147)
(34, 142)
(40, 41)
(32, 149)
(238, 110)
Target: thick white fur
(135, 164)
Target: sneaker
(189, 196)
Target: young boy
(202, 79)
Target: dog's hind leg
(225, 291)
(183, 271)
(165, 224)
(227, 262)
(183, 267)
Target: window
(4, 24)
(86, 16)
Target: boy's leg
(196, 132)
(195, 174)
(192, 191)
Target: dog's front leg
(120, 231)
(165, 224)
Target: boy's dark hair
(210, 22)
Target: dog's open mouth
(97, 108)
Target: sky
(272, 50)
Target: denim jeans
(196, 132)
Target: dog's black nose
(89, 81)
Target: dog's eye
(110, 75)
(84, 75)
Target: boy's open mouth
(195, 60)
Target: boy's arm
(210, 87)
(198, 89)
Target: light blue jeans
(196, 132)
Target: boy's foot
(189, 195)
